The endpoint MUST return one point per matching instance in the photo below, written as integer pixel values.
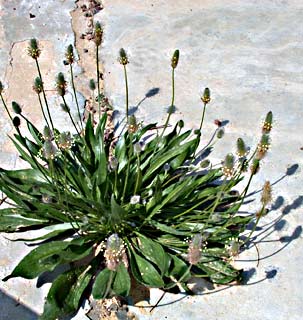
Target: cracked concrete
(50, 23)
(248, 53)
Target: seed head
(115, 252)
(181, 123)
(194, 249)
(220, 133)
(244, 164)
(234, 248)
(135, 199)
(49, 150)
(65, 141)
(206, 96)
(123, 59)
(266, 196)
(263, 146)
(267, 124)
(132, 124)
(69, 54)
(113, 163)
(46, 198)
(204, 164)
(166, 167)
(137, 147)
(61, 84)
(92, 84)
(261, 212)
(38, 85)
(242, 150)
(1, 87)
(228, 165)
(16, 107)
(218, 122)
(255, 167)
(175, 59)
(33, 49)
(98, 34)
(16, 122)
(47, 133)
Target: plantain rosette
(111, 213)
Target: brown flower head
(69, 54)
(115, 252)
(38, 85)
(175, 59)
(123, 59)
(195, 249)
(61, 84)
(33, 49)
(206, 96)
(267, 124)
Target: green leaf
(179, 269)
(44, 258)
(78, 288)
(47, 257)
(219, 271)
(170, 197)
(102, 284)
(154, 252)
(35, 133)
(167, 229)
(122, 283)
(176, 141)
(144, 271)
(13, 223)
(55, 305)
(101, 162)
(23, 154)
(57, 229)
(160, 160)
(117, 212)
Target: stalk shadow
(150, 93)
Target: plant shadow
(13, 309)
(149, 94)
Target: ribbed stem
(44, 95)
(98, 80)
(44, 115)
(126, 93)
(32, 156)
(202, 119)
(74, 90)
(71, 118)
(5, 106)
(255, 226)
(172, 102)
(138, 175)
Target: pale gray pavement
(250, 54)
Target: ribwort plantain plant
(113, 207)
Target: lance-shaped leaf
(65, 293)
(154, 252)
(103, 284)
(47, 257)
(121, 284)
(144, 271)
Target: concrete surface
(250, 54)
